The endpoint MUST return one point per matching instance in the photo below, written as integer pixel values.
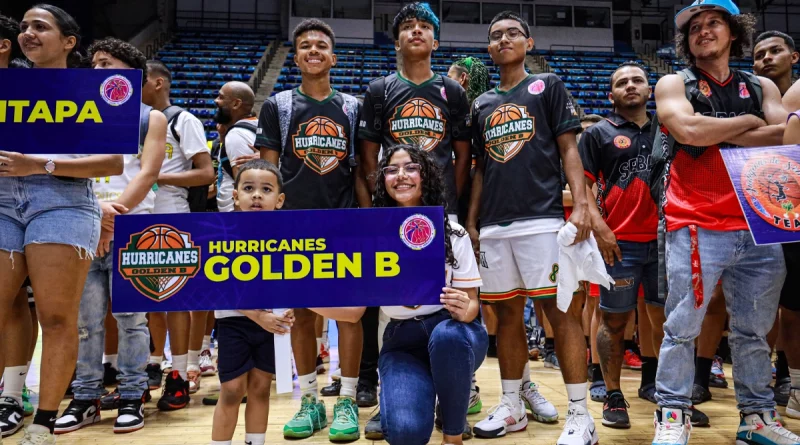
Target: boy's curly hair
(123, 51)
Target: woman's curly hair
(742, 26)
(433, 190)
(477, 74)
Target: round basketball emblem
(704, 88)
(116, 90)
(536, 87)
(622, 142)
(771, 185)
(417, 231)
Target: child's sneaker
(176, 393)
(344, 427)
(673, 427)
(310, 418)
(79, 413)
(207, 367)
(540, 408)
(764, 428)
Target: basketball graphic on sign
(417, 231)
(771, 185)
(116, 90)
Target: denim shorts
(44, 209)
(639, 266)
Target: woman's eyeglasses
(409, 169)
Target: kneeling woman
(428, 351)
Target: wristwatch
(50, 167)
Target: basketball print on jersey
(771, 185)
(321, 143)
(418, 122)
(507, 130)
(159, 261)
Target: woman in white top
(428, 352)
(50, 224)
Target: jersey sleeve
(366, 130)
(589, 150)
(476, 130)
(237, 144)
(268, 133)
(463, 119)
(466, 275)
(563, 116)
(193, 136)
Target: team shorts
(790, 299)
(45, 209)
(519, 266)
(243, 345)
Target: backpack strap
(377, 91)
(144, 123)
(172, 112)
(754, 85)
(284, 102)
(351, 106)
(453, 92)
(224, 161)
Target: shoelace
(37, 439)
(532, 392)
(775, 427)
(497, 410)
(667, 433)
(575, 420)
(345, 414)
(617, 404)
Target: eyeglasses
(409, 169)
(512, 33)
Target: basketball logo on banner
(159, 261)
(417, 231)
(116, 90)
(771, 184)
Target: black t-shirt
(616, 154)
(419, 115)
(515, 131)
(315, 161)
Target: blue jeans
(639, 266)
(752, 277)
(134, 339)
(423, 359)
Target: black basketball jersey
(515, 131)
(419, 115)
(314, 162)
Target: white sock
(349, 387)
(180, 363)
(223, 442)
(14, 378)
(255, 439)
(194, 360)
(576, 392)
(511, 391)
(526, 374)
(206, 342)
(112, 359)
(308, 383)
(319, 343)
(794, 374)
(156, 359)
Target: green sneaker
(475, 404)
(345, 421)
(309, 419)
(27, 406)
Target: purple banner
(767, 183)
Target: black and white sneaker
(11, 416)
(130, 417)
(79, 413)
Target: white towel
(578, 262)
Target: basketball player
(234, 111)
(50, 224)
(519, 200)
(774, 56)
(185, 147)
(614, 154)
(318, 173)
(707, 236)
(134, 191)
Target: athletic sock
(348, 387)
(180, 363)
(14, 380)
(254, 439)
(156, 360)
(794, 374)
(511, 390)
(612, 392)
(526, 373)
(649, 368)
(308, 383)
(111, 359)
(193, 360)
(44, 419)
(577, 393)
(702, 371)
(221, 442)
(597, 373)
(206, 342)
(781, 367)
(630, 344)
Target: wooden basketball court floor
(193, 425)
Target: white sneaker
(764, 428)
(507, 417)
(207, 366)
(37, 438)
(793, 407)
(673, 427)
(166, 366)
(540, 408)
(579, 427)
